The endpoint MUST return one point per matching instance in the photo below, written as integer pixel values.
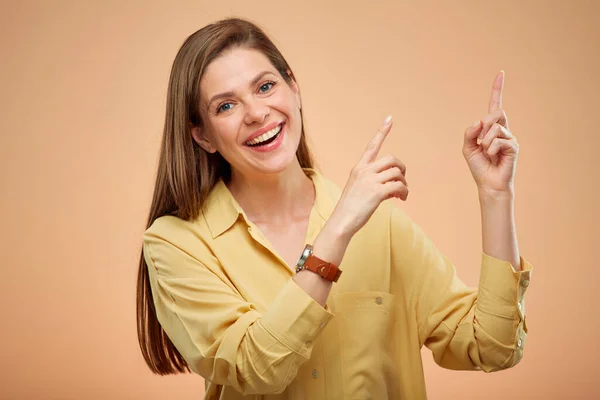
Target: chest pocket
(365, 322)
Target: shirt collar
(326, 193)
(221, 210)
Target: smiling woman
(252, 115)
(262, 276)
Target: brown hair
(186, 173)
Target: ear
(295, 88)
(200, 137)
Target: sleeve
(224, 338)
(465, 328)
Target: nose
(256, 111)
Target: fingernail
(476, 124)
(387, 120)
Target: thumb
(472, 133)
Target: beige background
(82, 97)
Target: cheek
(225, 131)
(285, 102)
(295, 119)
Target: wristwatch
(322, 268)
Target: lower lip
(273, 145)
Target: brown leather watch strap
(322, 268)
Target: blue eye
(266, 87)
(224, 107)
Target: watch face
(305, 253)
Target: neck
(274, 198)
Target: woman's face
(250, 114)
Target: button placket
(523, 284)
(521, 306)
(520, 337)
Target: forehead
(233, 70)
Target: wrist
(339, 228)
(331, 243)
(487, 195)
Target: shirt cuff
(296, 319)
(502, 288)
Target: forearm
(499, 234)
(330, 245)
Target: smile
(265, 138)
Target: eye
(265, 87)
(224, 107)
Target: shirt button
(519, 306)
(315, 374)
(308, 343)
(379, 300)
(519, 342)
(525, 283)
(321, 325)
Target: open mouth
(265, 138)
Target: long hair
(186, 173)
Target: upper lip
(261, 131)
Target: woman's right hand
(371, 181)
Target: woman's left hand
(490, 148)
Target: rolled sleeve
(501, 288)
(295, 319)
(221, 336)
(479, 328)
(501, 306)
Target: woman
(262, 276)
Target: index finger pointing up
(374, 145)
(496, 97)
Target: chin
(279, 161)
(273, 161)
(278, 164)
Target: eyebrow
(230, 94)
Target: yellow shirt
(228, 303)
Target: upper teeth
(265, 136)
